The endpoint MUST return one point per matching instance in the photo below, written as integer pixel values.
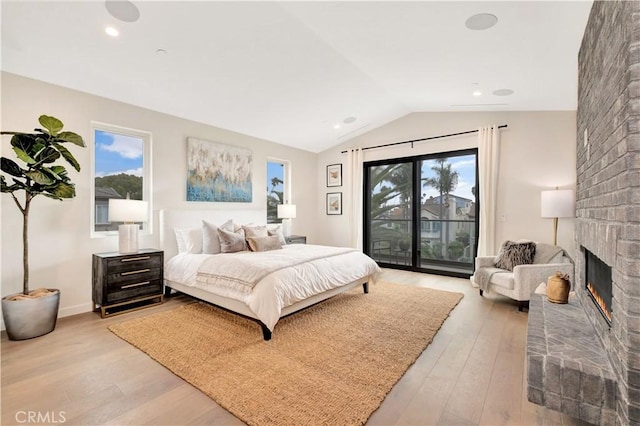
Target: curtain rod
(502, 126)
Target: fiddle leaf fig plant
(39, 175)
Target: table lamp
(128, 212)
(286, 212)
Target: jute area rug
(330, 364)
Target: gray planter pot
(25, 319)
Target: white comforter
(283, 286)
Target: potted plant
(404, 244)
(34, 313)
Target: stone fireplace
(608, 191)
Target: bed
(299, 275)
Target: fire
(599, 301)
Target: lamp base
(128, 238)
(286, 227)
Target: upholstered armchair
(519, 283)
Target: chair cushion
(513, 254)
(503, 279)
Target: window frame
(147, 175)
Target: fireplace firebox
(599, 284)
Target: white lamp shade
(557, 203)
(128, 210)
(286, 211)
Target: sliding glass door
(421, 212)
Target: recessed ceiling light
(349, 120)
(161, 52)
(123, 10)
(481, 21)
(336, 126)
(111, 31)
(503, 92)
(477, 93)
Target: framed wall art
(334, 203)
(218, 172)
(334, 175)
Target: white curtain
(488, 158)
(354, 174)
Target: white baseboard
(75, 310)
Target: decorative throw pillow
(264, 243)
(231, 242)
(189, 240)
(513, 254)
(255, 231)
(210, 237)
(277, 232)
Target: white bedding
(282, 287)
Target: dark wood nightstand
(126, 282)
(296, 239)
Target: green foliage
(273, 199)
(455, 250)
(38, 151)
(38, 175)
(122, 183)
(463, 237)
(445, 180)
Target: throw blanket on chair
(546, 252)
(483, 276)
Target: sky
(117, 154)
(465, 166)
(274, 170)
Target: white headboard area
(171, 219)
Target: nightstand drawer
(133, 263)
(296, 239)
(133, 276)
(134, 291)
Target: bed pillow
(277, 231)
(210, 237)
(189, 240)
(255, 231)
(513, 254)
(231, 242)
(264, 243)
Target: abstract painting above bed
(218, 172)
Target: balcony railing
(443, 244)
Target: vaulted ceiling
(304, 74)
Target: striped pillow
(513, 254)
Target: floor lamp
(286, 212)
(557, 203)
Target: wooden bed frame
(170, 219)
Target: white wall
(60, 243)
(538, 151)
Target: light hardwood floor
(473, 373)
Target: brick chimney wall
(608, 184)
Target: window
(423, 210)
(277, 188)
(121, 164)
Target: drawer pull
(133, 259)
(140, 271)
(135, 285)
